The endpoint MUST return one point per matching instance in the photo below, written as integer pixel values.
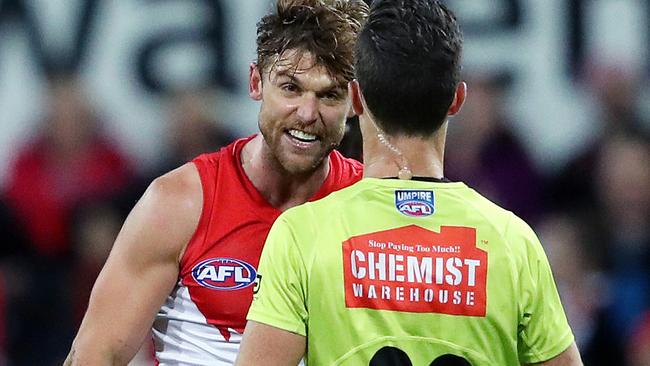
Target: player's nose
(308, 109)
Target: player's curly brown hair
(327, 29)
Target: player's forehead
(303, 66)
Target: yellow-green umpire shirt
(427, 268)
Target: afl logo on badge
(415, 203)
(224, 274)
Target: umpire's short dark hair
(408, 64)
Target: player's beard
(294, 161)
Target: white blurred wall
(553, 116)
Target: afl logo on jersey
(224, 274)
(415, 203)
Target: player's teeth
(303, 135)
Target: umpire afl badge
(415, 203)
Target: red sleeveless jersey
(205, 315)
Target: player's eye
(289, 87)
(332, 95)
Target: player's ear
(355, 96)
(459, 99)
(254, 82)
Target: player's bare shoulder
(179, 189)
(171, 207)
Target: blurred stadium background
(98, 97)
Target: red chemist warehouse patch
(413, 269)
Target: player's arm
(140, 272)
(570, 357)
(267, 345)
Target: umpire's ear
(459, 99)
(355, 96)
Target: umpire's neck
(422, 156)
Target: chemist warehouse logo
(414, 203)
(413, 269)
(224, 274)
